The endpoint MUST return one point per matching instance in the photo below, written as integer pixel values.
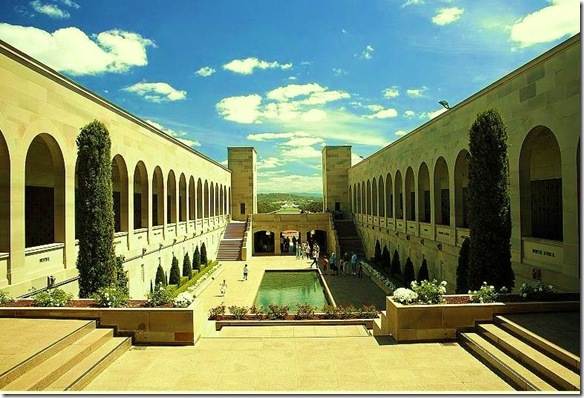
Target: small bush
(203, 255)
(405, 296)
(486, 294)
(423, 274)
(5, 298)
(409, 275)
(538, 292)
(110, 297)
(429, 292)
(183, 300)
(367, 311)
(160, 296)
(395, 264)
(259, 312)
(346, 311)
(385, 259)
(238, 312)
(304, 311)
(187, 268)
(52, 298)
(160, 277)
(197, 259)
(330, 311)
(377, 255)
(277, 311)
(217, 313)
(174, 272)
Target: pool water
(291, 288)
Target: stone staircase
(67, 363)
(349, 239)
(527, 361)
(230, 245)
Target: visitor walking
(245, 272)
(223, 288)
(354, 263)
(332, 261)
(325, 263)
(314, 259)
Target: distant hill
(271, 202)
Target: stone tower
(336, 161)
(242, 163)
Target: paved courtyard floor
(293, 358)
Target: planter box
(415, 323)
(300, 322)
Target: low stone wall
(300, 322)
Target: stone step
(39, 357)
(37, 378)
(521, 377)
(544, 366)
(80, 375)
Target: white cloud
(242, 109)
(416, 92)
(70, 50)
(432, 115)
(303, 152)
(303, 141)
(561, 18)
(374, 108)
(272, 136)
(205, 71)
(368, 52)
(383, 114)
(391, 92)
(322, 97)
(409, 113)
(292, 78)
(447, 16)
(51, 10)
(270, 163)
(70, 3)
(400, 132)
(293, 91)
(178, 135)
(412, 2)
(246, 66)
(224, 162)
(157, 92)
(355, 158)
(314, 115)
(344, 31)
(292, 183)
(339, 72)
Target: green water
(291, 288)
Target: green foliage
(194, 279)
(151, 288)
(423, 274)
(409, 273)
(160, 296)
(160, 277)
(111, 297)
(395, 264)
(52, 298)
(377, 252)
(197, 259)
(488, 203)
(486, 294)
(216, 313)
(429, 292)
(277, 311)
(174, 272)
(304, 311)
(538, 292)
(238, 312)
(96, 259)
(121, 277)
(345, 311)
(259, 312)
(367, 311)
(271, 202)
(462, 268)
(5, 298)
(187, 268)
(203, 255)
(385, 259)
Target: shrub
(488, 203)
(367, 311)
(409, 275)
(259, 312)
(304, 311)
(405, 296)
(174, 272)
(160, 277)
(183, 300)
(52, 298)
(345, 311)
(423, 274)
(429, 292)
(385, 259)
(187, 267)
(377, 252)
(277, 312)
(486, 294)
(238, 312)
(96, 260)
(395, 264)
(538, 292)
(330, 311)
(160, 296)
(203, 255)
(462, 268)
(110, 297)
(376, 275)
(121, 277)
(5, 298)
(217, 313)
(197, 259)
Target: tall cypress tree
(488, 203)
(96, 260)
(423, 274)
(187, 268)
(409, 274)
(160, 276)
(385, 259)
(377, 254)
(462, 268)
(203, 255)
(174, 278)
(197, 259)
(395, 264)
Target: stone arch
(399, 198)
(388, 195)
(368, 198)
(192, 199)
(200, 199)
(182, 198)
(540, 185)
(351, 199)
(381, 200)
(120, 192)
(158, 198)
(140, 196)
(461, 188)
(206, 199)
(441, 192)
(363, 199)
(424, 193)
(4, 195)
(410, 195)
(44, 192)
(374, 196)
(212, 207)
(263, 242)
(171, 198)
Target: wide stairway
(526, 360)
(55, 354)
(349, 239)
(230, 245)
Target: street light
(444, 104)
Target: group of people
(346, 265)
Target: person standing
(314, 259)
(332, 261)
(325, 263)
(223, 288)
(354, 263)
(245, 272)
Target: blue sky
(286, 77)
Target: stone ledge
(368, 323)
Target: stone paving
(293, 358)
